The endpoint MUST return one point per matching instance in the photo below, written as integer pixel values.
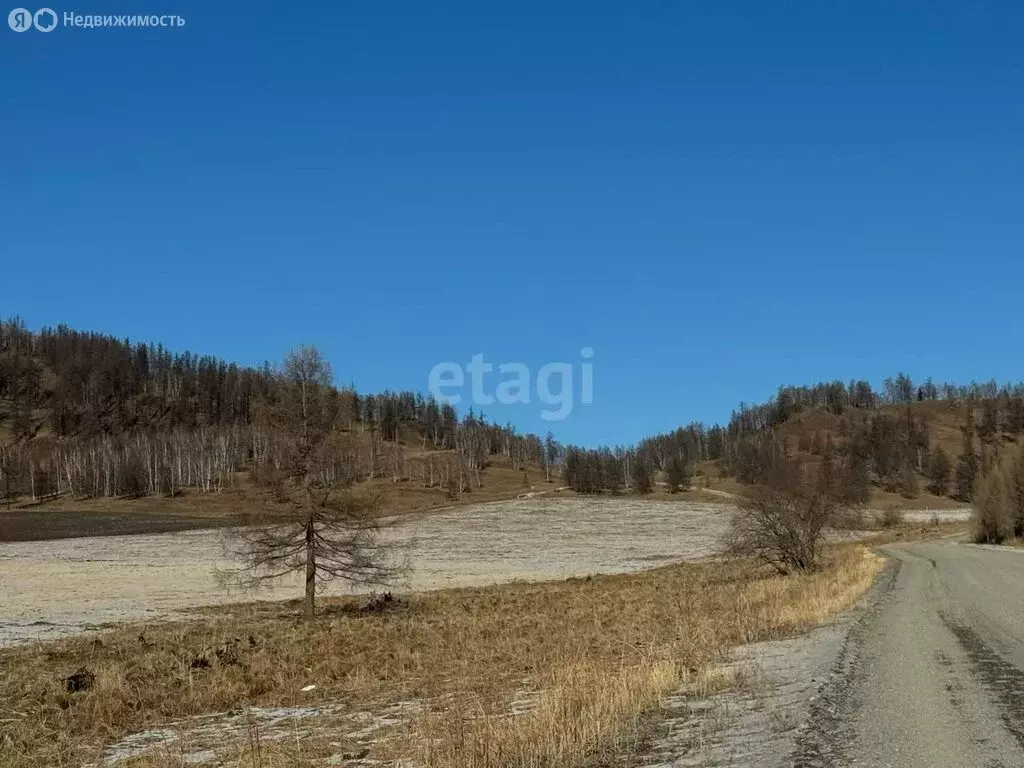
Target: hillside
(92, 423)
(804, 435)
(88, 421)
(917, 453)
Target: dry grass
(500, 482)
(589, 655)
(660, 493)
(583, 707)
(64, 516)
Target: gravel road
(927, 671)
(931, 676)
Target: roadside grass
(543, 674)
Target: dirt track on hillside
(52, 588)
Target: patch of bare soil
(32, 524)
(755, 722)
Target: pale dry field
(54, 588)
(943, 515)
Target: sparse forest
(93, 416)
(898, 440)
(856, 438)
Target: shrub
(891, 518)
(782, 524)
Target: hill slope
(86, 419)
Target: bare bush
(891, 517)
(852, 518)
(783, 525)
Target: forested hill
(907, 439)
(91, 415)
(85, 415)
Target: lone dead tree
(329, 532)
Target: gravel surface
(763, 721)
(51, 588)
(932, 676)
(756, 722)
(926, 672)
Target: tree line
(675, 454)
(93, 415)
(97, 416)
(892, 448)
(837, 398)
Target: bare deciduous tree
(329, 532)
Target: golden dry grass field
(543, 674)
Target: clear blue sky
(717, 197)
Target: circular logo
(20, 19)
(45, 20)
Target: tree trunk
(309, 608)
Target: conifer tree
(908, 480)
(939, 471)
(967, 468)
(642, 483)
(678, 475)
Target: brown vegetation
(999, 507)
(590, 654)
(783, 524)
(63, 516)
(85, 416)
